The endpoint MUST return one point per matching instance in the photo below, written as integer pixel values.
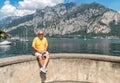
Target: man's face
(40, 36)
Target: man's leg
(39, 57)
(46, 60)
(41, 62)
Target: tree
(4, 35)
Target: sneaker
(44, 70)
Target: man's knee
(47, 56)
(39, 57)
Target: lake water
(65, 45)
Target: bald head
(40, 35)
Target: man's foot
(43, 69)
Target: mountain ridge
(68, 19)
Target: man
(40, 46)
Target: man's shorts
(39, 54)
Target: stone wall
(62, 67)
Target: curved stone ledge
(62, 68)
(16, 59)
(26, 58)
(87, 56)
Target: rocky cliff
(68, 19)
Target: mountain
(69, 20)
(7, 20)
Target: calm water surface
(65, 45)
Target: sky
(25, 7)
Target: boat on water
(5, 42)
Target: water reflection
(65, 45)
(91, 46)
(98, 47)
(20, 47)
(115, 49)
(4, 48)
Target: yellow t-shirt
(40, 44)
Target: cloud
(23, 12)
(69, 1)
(26, 7)
(10, 10)
(38, 4)
(7, 8)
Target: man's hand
(41, 52)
